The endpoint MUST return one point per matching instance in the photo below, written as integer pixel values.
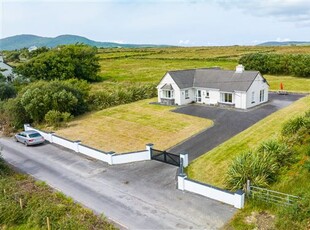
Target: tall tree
(64, 62)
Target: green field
(122, 66)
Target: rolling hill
(27, 40)
(288, 43)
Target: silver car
(29, 137)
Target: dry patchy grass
(129, 127)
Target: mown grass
(38, 201)
(291, 84)
(212, 166)
(130, 127)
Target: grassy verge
(212, 166)
(26, 204)
(129, 127)
(292, 84)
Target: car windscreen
(32, 135)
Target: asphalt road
(227, 123)
(140, 195)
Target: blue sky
(172, 22)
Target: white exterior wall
(227, 197)
(109, 158)
(240, 100)
(257, 85)
(191, 94)
(167, 79)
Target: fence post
(181, 182)
(149, 148)
(77, 145)
(248, 187)
(184, 158)
(239, 199)
(110, 160)
(26, 126)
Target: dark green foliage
(56, 118)
(280, 151)
(293, 125)
(15, 113)
(259, 167)
(6, 91)
(63, 96)
(4, 168)
(288, 64)
(64, 62)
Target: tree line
(278, 64)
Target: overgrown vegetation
(26, 204)
(278, 64)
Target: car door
(21, 137)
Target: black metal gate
(165, 157)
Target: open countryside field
(130, 127)
(148, 65)
(211, 167)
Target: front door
(198, 95)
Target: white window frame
(224, 97)
(168, 94)
(253, 97)
(262, 95)
(186, 94)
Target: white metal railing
(271, 196)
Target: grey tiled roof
(224, 80)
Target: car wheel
(26, 143)
(15, 139)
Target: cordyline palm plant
(258, 167)
(280, 151)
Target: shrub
(56, 118)
(258, 167)
(293, 125)
(6, 91)
(280, 151)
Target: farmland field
(148, 65)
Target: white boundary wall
(109, 157)
(235, 199)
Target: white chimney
(239, 69)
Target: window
(167, 93)
(253, 97)
(261, 95)
(207, 94)
(226, 97)
(186, 94)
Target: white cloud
(296, 11)
(184, 42)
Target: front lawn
(129, 127)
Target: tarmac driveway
(227, 123)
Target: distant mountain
(288, 43)
(27, 40)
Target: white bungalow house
(241, 89)
(6, 70)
